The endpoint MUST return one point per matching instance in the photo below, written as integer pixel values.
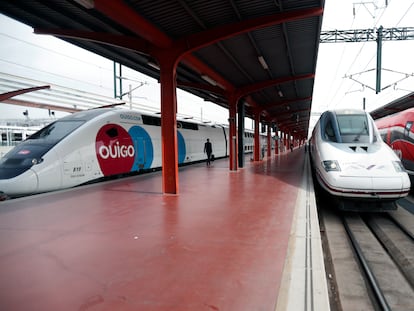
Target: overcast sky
(337, 61)
(51, 60)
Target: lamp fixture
(88, 4)
(153, 65)
(209, 80)
(280, 93)
(263, 62)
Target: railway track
(369, 258)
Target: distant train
(398, 132)
(352, 163)
(94, 144)
(11, 135)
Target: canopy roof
(264, 51)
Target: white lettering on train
(116, 151)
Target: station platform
(245, 240)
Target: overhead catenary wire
(373, 57)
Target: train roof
(90, 114)
(399, 105)
(398, 118)
(87, 114)
(348, 111)
(344, 112)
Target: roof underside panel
(299, 34)
(272, 44)
(270, 52)
(230, 55)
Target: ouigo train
(353, 164)
(93, 144)
(398, 132)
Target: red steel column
(233, 134)
(169, 125)
(256, 137)
(281, 142)
(277, 146)
(269, 142)
(286, 142)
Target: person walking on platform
(208, 148)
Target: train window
(352, 124)
(112, 132)
(57, 130)
(329, 132)
(17, 136)
(3, 137)
(156, 121)
(189, 125)
(408, 127)
(150, 120)
(353, 128)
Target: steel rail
(370, 275)
(309, 291)
(401, 227)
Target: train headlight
(331, 165)
(398, 166)
(37, 161)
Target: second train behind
(398, 132)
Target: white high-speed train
(351, 161)
(93, 144)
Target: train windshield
(353, 127)
(57, 130)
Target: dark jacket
(208, 148)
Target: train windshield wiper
(364, 130)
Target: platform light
(280, 93)
(153, 65)
(209, 80)
(263, 62)
(88, 4)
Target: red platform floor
(123, 245)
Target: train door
(144, 150)
(407, 129)
(140, 153)
(408, 146)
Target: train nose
(23, 184)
